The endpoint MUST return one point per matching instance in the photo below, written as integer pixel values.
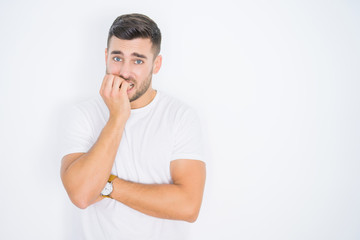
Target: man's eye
(138, 61)
(117, 59)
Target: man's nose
(125, 70)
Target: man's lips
(131, 86)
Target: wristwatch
(108, 187)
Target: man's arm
(178, 201)
(84, 175)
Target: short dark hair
(135, 25)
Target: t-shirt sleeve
(76, 132)
(188, 142)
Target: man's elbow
(192, 213)
(82, 204)
(80, 197)
(80, 201)
(192, 218)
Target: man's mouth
(131, 86)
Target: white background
(276, 84)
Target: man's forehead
(139, 45)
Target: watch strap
(111, 178)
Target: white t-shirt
(164, 130)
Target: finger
(124, 87)
(108, 84)
(116, 84)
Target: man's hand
(114, 92)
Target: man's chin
(134, 97)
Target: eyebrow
(135, 54)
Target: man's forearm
(85, 177)
(169, 201)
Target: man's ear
(157, 64)
(106, 55)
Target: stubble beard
(142, 88)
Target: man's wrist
(118, 121)
(114, 183)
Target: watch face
(107, 189)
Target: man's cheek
(113, 70)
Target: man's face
(132, 60)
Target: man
(133, 158)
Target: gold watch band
(111, 178)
